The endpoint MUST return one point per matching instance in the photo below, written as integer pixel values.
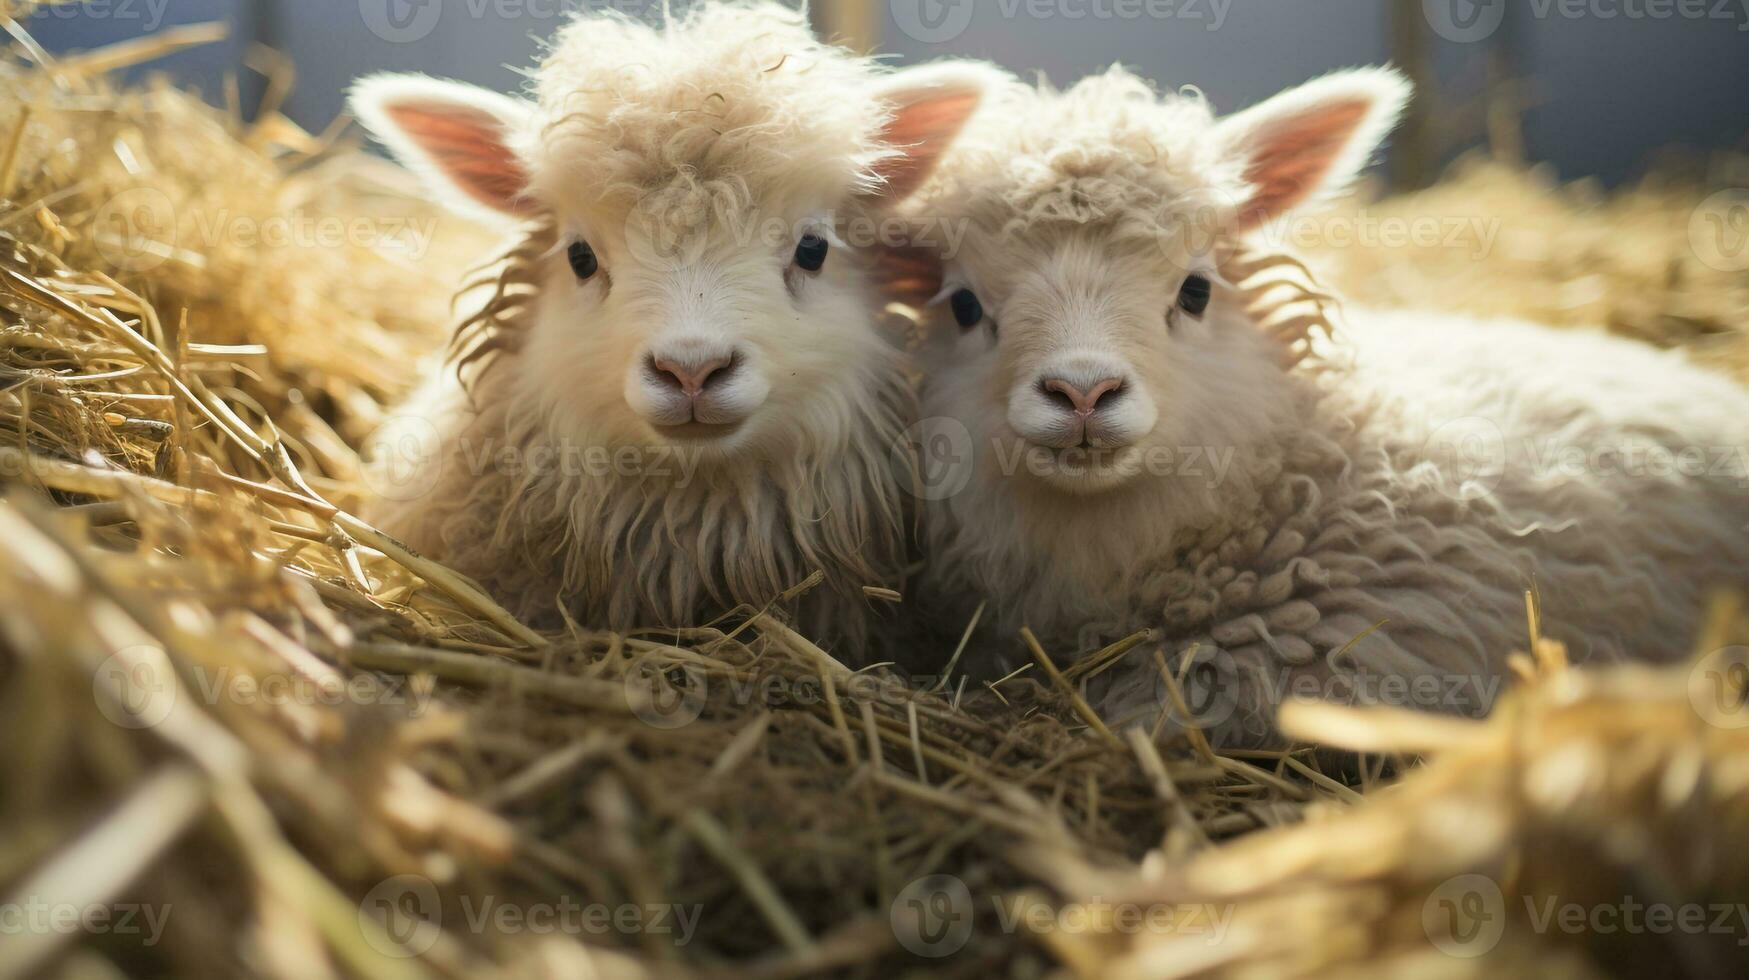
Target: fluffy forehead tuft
(1109, 152)
(729, 103)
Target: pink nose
(692, 378)
(1083, 403)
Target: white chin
(1085, 471)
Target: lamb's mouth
(1083, 467)
(695, 431)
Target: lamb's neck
(1210, 485)
(641, 536)
(1182, 492)
(1057, 556)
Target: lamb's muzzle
(698, 384)
(1083, 398)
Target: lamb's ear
(909, 274)
(1311, 141)
(929, 106)
(458, 137)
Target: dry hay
(1665, 261)
(185, 591)
(1536, 844)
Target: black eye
(966, 308)
(1193, 296)
(583, 261)
(811, 252)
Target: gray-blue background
(1604, 83)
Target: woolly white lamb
(677, 399)
(1124, 441)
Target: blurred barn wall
(76, 26)
(1605, 87)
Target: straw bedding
(227, 699)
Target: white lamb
(1140, 451)
(678, 399)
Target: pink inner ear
(467, 146)
(921, 131)
(908, 273)
(1291, 160)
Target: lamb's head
(1086, 316)
(693, 182)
